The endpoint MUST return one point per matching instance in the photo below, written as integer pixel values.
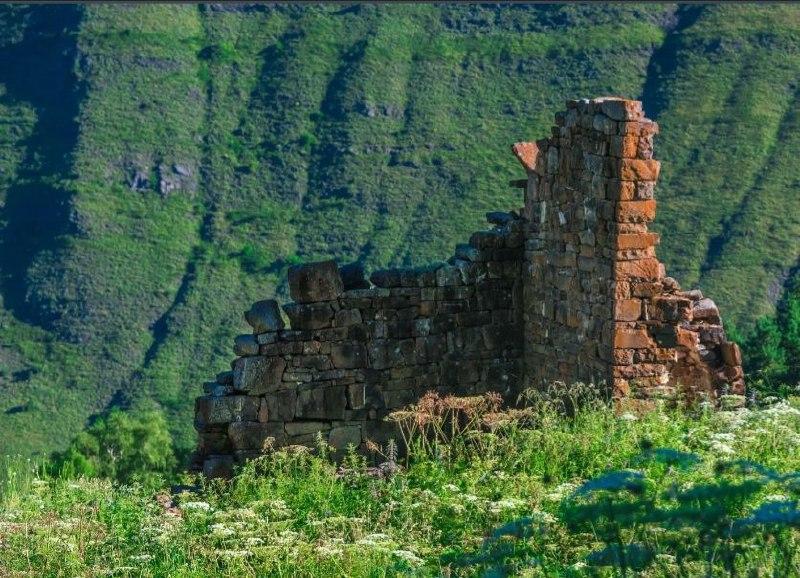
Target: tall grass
(552, 490)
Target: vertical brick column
(598, 305)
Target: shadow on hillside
(38, 72)
(664, 61)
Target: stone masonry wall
(356, 351)
(571, 290)
(598, 304)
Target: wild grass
(540, 492)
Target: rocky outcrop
(570, 290)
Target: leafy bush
(772, 349)
(122, 446)
(255, 259)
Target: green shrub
(123, 446)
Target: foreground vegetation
(545, 491)
(370, 132)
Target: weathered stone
(636, 211)
(621, 109)
(348, 355)
(264, 316)
(306, 316)
(499, 218)
(632, 339)
(627, 309)
(299, 428)
(705, 309)
(650, 269)
(638, 170)
(258, 375)
(347, 317)
(281, 405)
(245, 435)
(353, 276)
(386, 278)
(624, 146)
(343, 436)
(636, 240)
(526, 152)
(731, 353)
(468, 252)
(321, 403)
(221, 410)
(245, 345)
(315, 282)
(225, 377)
(673, 308)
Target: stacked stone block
(598, 304)
(570, 291)
(353, 354)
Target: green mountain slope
(162, 165)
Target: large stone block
(638, 170)
(305, 316)
(526, 153)
(341, 437)
(636, 211)
(318, 402)
(258, 375)
(245, 345)
(246, 435)
(315, 282)
(348, 355)
(220, 410)
(632, 339)
(620, 109)
(281, 405)
(264, 316)
(636, 240)
(648, 269)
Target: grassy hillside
(162, 165)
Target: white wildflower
(408, 556)
(451, 488)
(141, 558)
(234, 553)
(628, 416)
(471, 498)
(221, 530)
(721, 448)
(505, 504)
(325, 550)
(254, 541)
(775, 498)
(199, 506)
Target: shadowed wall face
(571, 291)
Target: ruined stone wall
(571, 290)
(357, 351)
(598, 304)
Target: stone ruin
(567, 289)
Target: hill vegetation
(162, 165)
